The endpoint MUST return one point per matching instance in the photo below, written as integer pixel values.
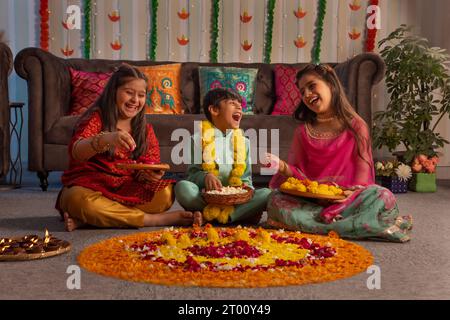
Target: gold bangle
(95, 143)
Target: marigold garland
(215, 212)
(214, 31)
(209, 153)
(44, 15)
(87, 29)
(269, 31)
(319, 31)
(226, 257)
(371, 33)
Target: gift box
(423, 182)
(394, 184)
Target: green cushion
(243, 80)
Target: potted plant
(393, 175)
(418, 82)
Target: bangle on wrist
(95, 143)
(282, 169)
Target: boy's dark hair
(106, 105)
(214, 96)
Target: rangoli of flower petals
(226, 257)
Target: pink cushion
(86, 88)
(286, 91)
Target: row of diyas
(30, 244)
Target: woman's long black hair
(109, 113)
(339, 102)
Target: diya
(31, 247)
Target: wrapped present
(423, 182)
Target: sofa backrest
(49, 92)
(6, 64)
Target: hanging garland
(371, 33)
(269, 31)
(319, 31)
(87, 29)
(154, 29)
(214, 31)
(44, 15)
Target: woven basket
(230, 199)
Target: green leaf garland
(214, 31)
(154, 29)
(315, 54)
(87, 29)
(269, 31)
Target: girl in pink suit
(332, 144)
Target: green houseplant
(418, 82)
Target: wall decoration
(245, 17)
(300, 42)
(322, 4)
(153, 29)
(269, 31)
(214, 31)
(371, 33)
(182, 41)
(183, 15)
(44, 17)
(87, 29)
(299, 13)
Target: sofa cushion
(288, 95)
(243, 80)
(163, 90)
(86, 88)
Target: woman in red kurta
(114, 131)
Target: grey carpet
(419, 269)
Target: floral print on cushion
(163, 89)
(242, 80)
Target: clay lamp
(50, 243)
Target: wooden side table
(16, 126)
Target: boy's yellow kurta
(188, 192)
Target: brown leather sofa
(49, 88)
(6, 65)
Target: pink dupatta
(331, 160)
(335, 159)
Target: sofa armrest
(6, 63)
(358, 76)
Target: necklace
(319, 119)
(322, 135)
(209, 153)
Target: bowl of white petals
(228, 196)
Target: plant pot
(423, 182)
(394, 184)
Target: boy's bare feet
(173, 218)
(70, 223)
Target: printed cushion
(86, 88)
(243, 80)
(287, 94)
(163, 89)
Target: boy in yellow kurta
(223, 159)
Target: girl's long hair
(109, 113)
(339, 102)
